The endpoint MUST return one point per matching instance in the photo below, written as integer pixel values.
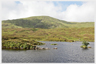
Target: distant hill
(43, 22)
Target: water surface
(66, 53)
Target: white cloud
(11, 10)
(86, 12)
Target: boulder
(46, 48)
(55, 48)
(89, 47)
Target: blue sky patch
(68, 2)
(65, 4)
(17, 2)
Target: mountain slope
(44, 22)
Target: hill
(43, 22)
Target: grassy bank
(58, 34)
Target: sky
(71, 11)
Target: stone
(89, 47)
(55, 48)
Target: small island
(85, 44)
(53, 44)
(20, 44)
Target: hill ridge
(45, 22)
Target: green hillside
(57, 34)
(43, 22)
(9, 25)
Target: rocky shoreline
(34, 48)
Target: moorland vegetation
(26, 32)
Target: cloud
(85, 12)
(22, 9)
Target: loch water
(66, 52)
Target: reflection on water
(66, 53)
